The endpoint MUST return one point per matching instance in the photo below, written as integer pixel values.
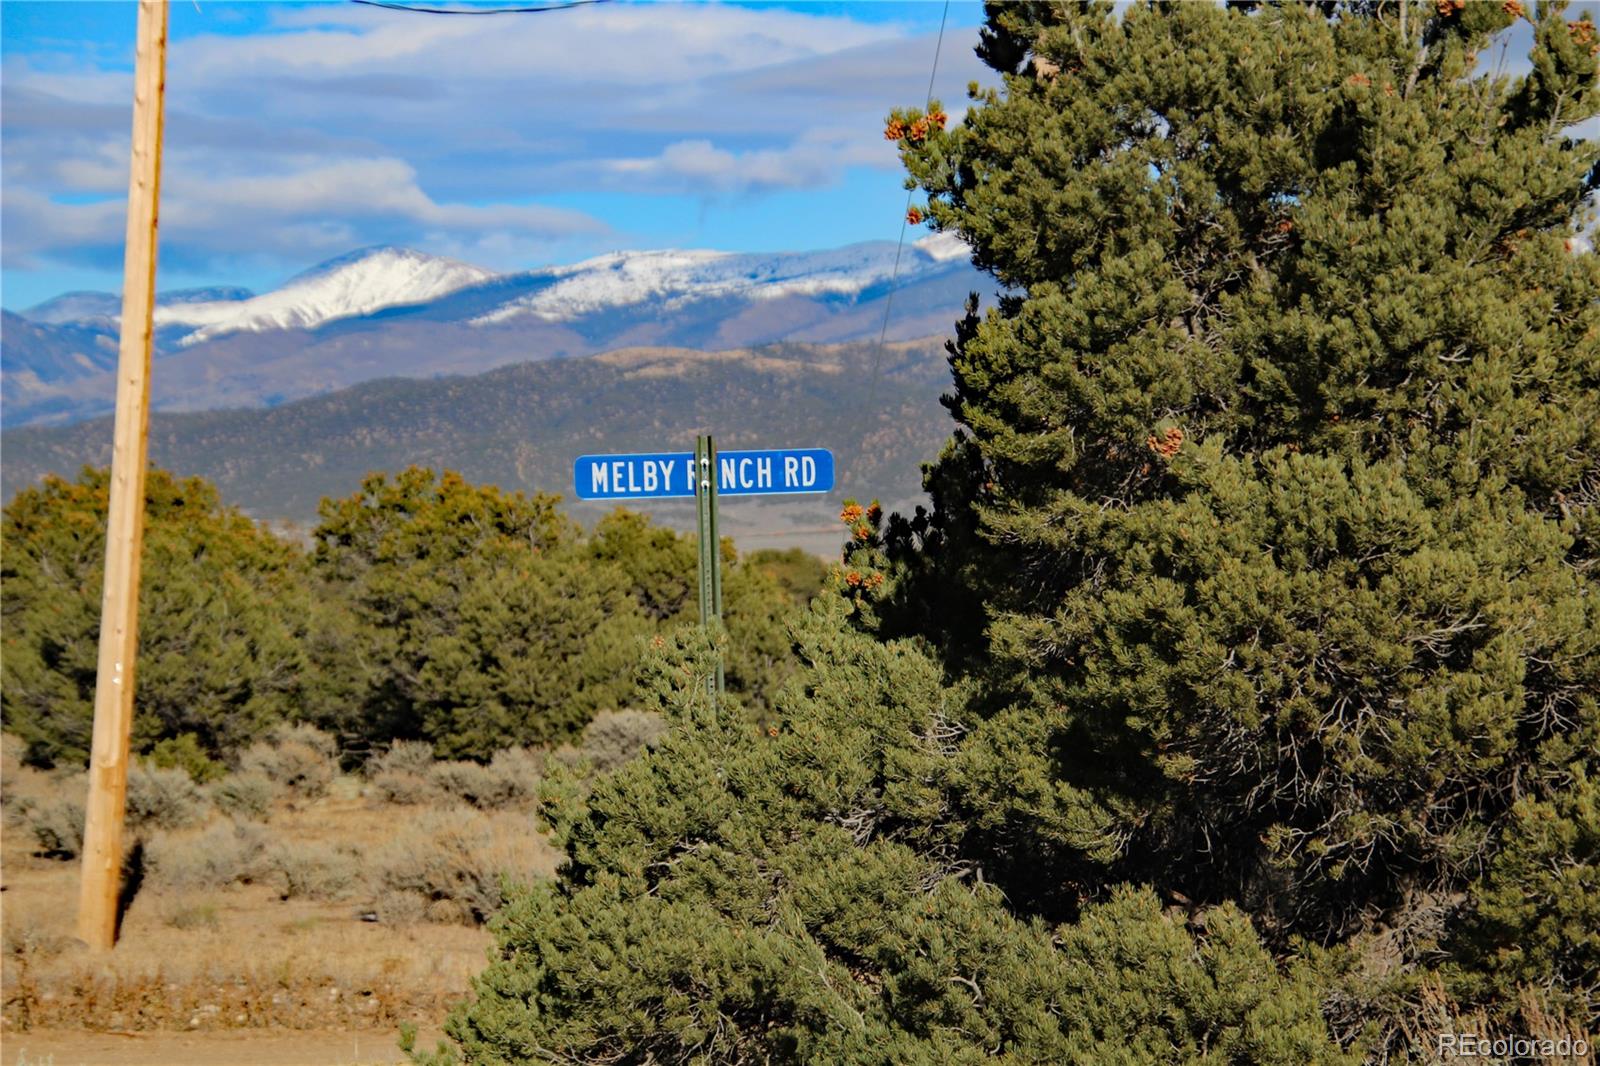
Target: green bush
(474, 619)
(740, 898)
(1535, 919)
(184, 753)
(1261, 572)
(797, 572)
(1269, 531)
(222, 609)
(479, 617)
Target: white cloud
(346, 125)
(312, 210)
(700, 166)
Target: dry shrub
(468, 782)
(1434, 1013)
(26, 946)
(56, 825)
(517, 772)
(47, 805)
(615, 737)
(247, 794)
(510, 780)
(407, 774)
(397, 786)
(404, 756)
(222, 854)
(99, 999)
(403, 773)
(449, 912)
(456, 857)
(163, 798)
(26, 938)
(12, 750)
(298, 758)
(316, 871)
(157, 799)
(400, 909)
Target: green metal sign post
(706, 477)
(703, 476)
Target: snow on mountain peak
(372, 279)
(674, 278)
(354, 284)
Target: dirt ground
(269, 1047)
(235, 975)
(253, 960)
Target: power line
(385, 4)
(894, 274)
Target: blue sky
(297, 132)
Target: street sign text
(668, 475)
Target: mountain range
(392, 312)
(521, 427)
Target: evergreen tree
(804, 894)
(1261, 571)
(1274, 508)
(477, 619)
(797, 571)
(477, 622)
(759, 595)
(221, 618)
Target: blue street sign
(668, 475)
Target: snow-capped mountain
(82, 308)
(355, 284)
(392, 312)
(672, 279)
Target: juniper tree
(477, 619)
(475, 623)
(222, 612)
(757, 599)
(1261, 570)
(1273, 508)
(803, 894)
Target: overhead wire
(870, 396)
(540, 9)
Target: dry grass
(460, 863)
(1436, 1013)
(256, 923)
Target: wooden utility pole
(119, 606)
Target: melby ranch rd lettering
(665, 475)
